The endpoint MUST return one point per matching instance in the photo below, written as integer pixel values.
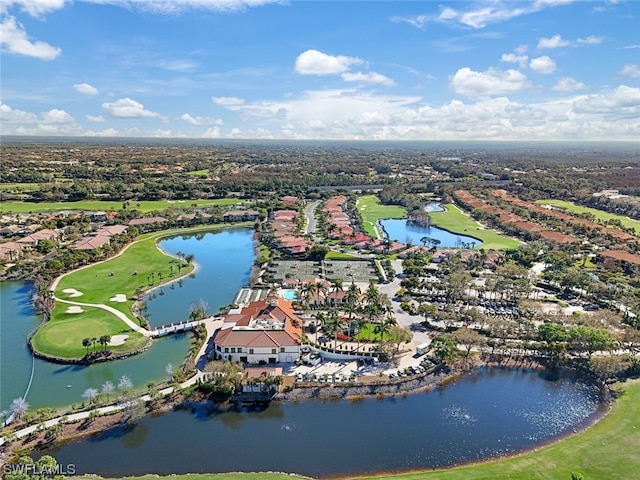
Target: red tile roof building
(265, 331)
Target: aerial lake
(224, 259)
(405, 232)
(484, 414)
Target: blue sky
(374, 70)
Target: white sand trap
(72, 292)
(74, 309)
(118, 340)
(121, 297)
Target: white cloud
(590, 40)
(9, 115)
(179, 6)
(630, 70)
(200, 120)
(557, 42)
(95, 118)
(313, 62)
(568, 84)
(213, 132)
(544, 65)
(624, 101)
(35, 8)
(52, 122)
(227, 101)
(369, 77)
(553, 42)
(85, 89)
(489, 83)
(521, 60)
(127, 108)
(481, 14)
(14, 39)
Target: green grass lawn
(600, 215)
(99, 284)
(198, 173)
(457, 222)
(605, 451)
(333, 255)
(63, 337)
(371, 211)
(93, 205)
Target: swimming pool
(289, 295)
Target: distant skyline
(321, 70)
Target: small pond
(405, 232)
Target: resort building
(264, 332)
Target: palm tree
(169, 369)
(361, 322)
(107, 389)
(104, 341)
(19, 407)
(93, 342)
(125, 384)
(334, 324)
(425, 240)
(86, 342)
(90, 394)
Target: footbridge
(180, 327)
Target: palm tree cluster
(357, 311)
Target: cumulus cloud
(52, 122)
(521, 60)
(200, 120)
(568, 84)
(85, 89)
(14, 40)
(227, 101)
(369, 77)
(314, 62)
(553, 42)
(35, 8)
(590, 40)
(489, 83)
(630, 70)
(544, 65)
(95, 118)
(127, 108)
(557, 42)
(623, 101)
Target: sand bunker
(118, 340)
(72, 292)
(121, 297)
(74, 309)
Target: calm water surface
(401, 231)
(484, 414)
(224, 262)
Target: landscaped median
(96, 301)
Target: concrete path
(131, 324)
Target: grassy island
(97, 300)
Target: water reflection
(484, 414)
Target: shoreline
(438, 379)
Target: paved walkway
(212, 324)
